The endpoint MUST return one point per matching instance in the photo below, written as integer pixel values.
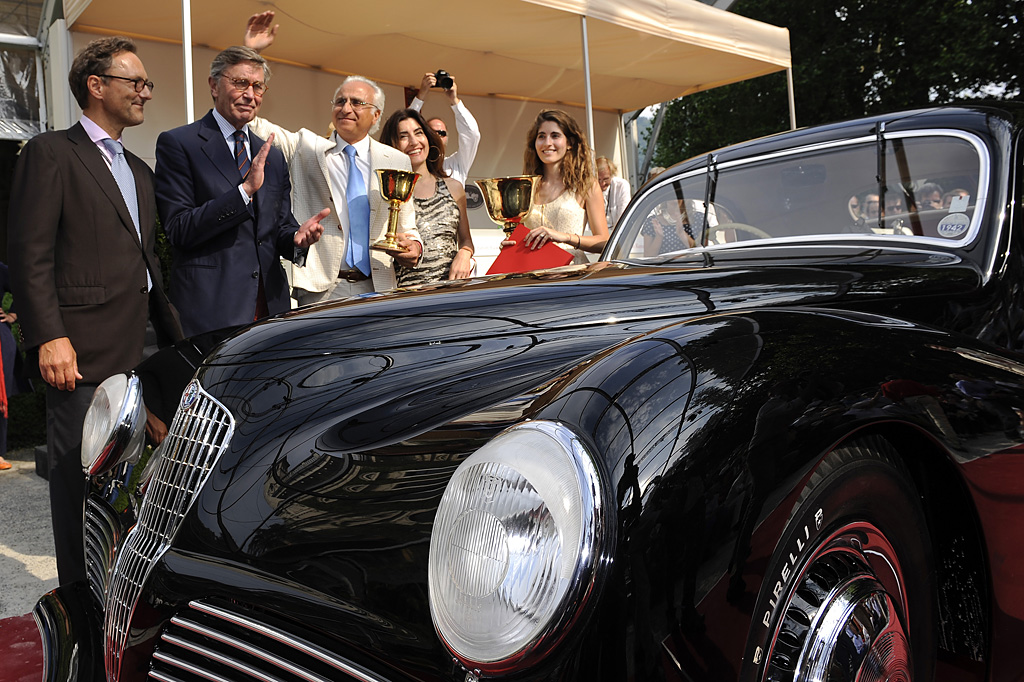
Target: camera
(444, 79)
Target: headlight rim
(125, 438)
(596, 545)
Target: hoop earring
(435, 158)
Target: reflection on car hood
(636, 297)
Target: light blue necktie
(125, 180)
(358, 252)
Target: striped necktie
(241, 157)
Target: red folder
(521, 258)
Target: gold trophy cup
(508, 200)
(396, 187)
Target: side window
(669, 219)
(926, 187)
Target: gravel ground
(27, 567)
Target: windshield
(920, 186)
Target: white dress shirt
(337, 171)
(460, 161)
(228, 131)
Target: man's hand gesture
(310, 231)
(254, 180)
(429, 81)
(260, 31)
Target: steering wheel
(742, 227)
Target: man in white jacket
(338, 172)
(458, 162)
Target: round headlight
(114, 424)
(516, 542)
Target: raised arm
(285, 140)
(260, 31)
(429, 81)
(467, 128)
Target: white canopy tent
(605, 54)
(597, 59)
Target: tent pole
(792, 98)
(586, 80)
(652, 142)
(186, 50)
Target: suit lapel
(216, 149)
(378, 224)
(92, 158)
(147, 199)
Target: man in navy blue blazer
(223, 196)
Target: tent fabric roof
(641, 51)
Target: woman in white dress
(567, 199)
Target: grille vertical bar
(200, 432)
(102, 533)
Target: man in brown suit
(82, 232)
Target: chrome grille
(208, 642)
(200, 432)
(102, 533)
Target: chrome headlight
(514, 552)
(114, 425)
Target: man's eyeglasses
(356, 104)
(139, 84)
(241, 85)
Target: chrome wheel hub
(843, 617)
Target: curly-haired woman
(568, 198)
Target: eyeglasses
(241, 85)
(441, 133)
(140, 84)
(356, 104)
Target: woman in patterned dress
(568, 197)
(440, 204)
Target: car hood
(634, 297)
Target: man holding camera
(459, 162)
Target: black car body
(789, 452)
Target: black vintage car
(776, 434)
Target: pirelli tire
(849, 594)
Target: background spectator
(458, 162)
(615, 189)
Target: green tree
(853, 59)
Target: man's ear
(94, 84)
(213, 87)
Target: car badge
(190, 395)
(954, 225)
